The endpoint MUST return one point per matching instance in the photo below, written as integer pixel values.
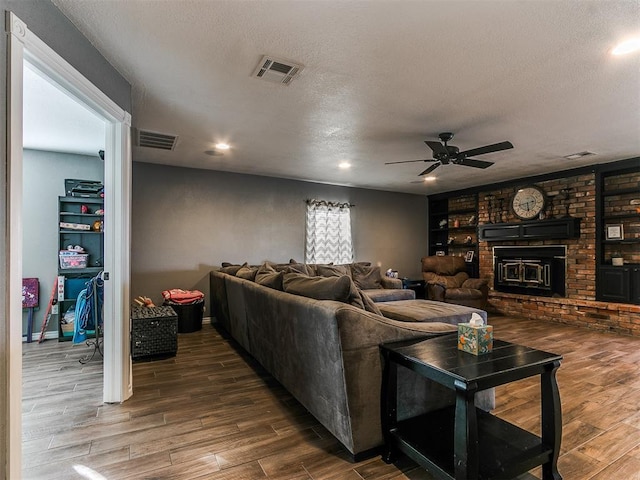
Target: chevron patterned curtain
(328, 233)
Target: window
(328, 233)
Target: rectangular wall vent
(277, 70)
(162, 141)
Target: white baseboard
(48, 335)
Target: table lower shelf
(505, 450)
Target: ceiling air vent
(162, 141)
(277, 70)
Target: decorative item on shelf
(550, 204)
(468, 240)
(472, 220)
(84, 209)
(616, 259)
(439, 253)
(97, 226)
(469, 256)
(490, 199)
(442, 223)
(456, 223)
(450, 240)
(563, 196)
(502, 214)
(100, 211)
(615, 232)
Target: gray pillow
(300, 268)
(320, 288)
(332, 270)
(365, 277)
(248, 273)
(231, 269)
(269, 277)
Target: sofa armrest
(477, 283)
(436, 291)
(393, 283)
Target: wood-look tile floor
(212, 413)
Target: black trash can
(189, 316)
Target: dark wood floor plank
(212, 413)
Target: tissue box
(476, 340)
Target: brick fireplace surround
(579, 307)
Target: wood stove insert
(530, 270)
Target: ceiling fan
(444, 154)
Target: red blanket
(177, 295)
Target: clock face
(528, 202)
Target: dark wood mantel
(556, 228)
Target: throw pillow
(320, 288)
(230, 268)
(248, 273)
(332, 270)
(300, 268)
(369, 305)
(366, 277)
(269, 277)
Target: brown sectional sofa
(325, 352)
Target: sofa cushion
(390, 294)
(463, 294)
(429, 311)
(447, 281)
(366, 277)
(246, 272)
(319, 288)
(269, 277)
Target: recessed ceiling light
(628, 46)
(222, 146)
(344, 165)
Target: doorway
(23, 46)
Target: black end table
(462, 441)
(417, 286)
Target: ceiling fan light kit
(443, 154)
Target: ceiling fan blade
(409, 161)
(437, 147)
(430, 169)
(496, 147)
(472, 162)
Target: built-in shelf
(556, 228)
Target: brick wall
(579, 307)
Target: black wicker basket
(154, 333)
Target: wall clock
(528, 202)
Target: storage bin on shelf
(71, 259)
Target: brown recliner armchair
(446, 280)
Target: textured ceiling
(380, 77)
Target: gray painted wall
(43, 182)
(187, 221)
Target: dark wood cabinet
(614, 284)
(618, 234)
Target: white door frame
(24, 45)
